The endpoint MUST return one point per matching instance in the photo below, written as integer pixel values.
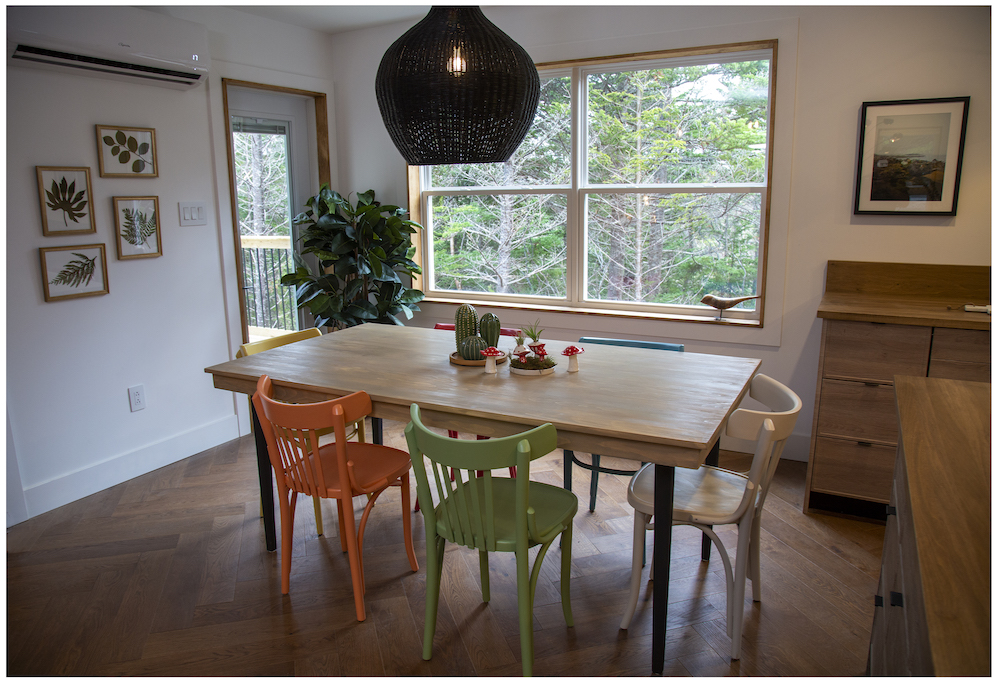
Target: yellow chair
(280, 341)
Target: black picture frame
(910, 156)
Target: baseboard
(92, 479)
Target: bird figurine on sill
(723, 303)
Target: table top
(657, 406)
(945, 440)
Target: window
(641, 186)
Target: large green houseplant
(362, 251)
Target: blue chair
(595, 460)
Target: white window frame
(576, 197)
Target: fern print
(77, 272)
(138, 228)
(63, 197)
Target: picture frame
(66, 201)
(126, 152)
(137, 227)
(910, 156)
(74, 271)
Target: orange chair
(340, 471)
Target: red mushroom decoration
(491, 354)
(573, 353)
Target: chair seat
(552, 505)
(370, 464)
(707, 496)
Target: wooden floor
(167, 575)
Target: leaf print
(128, 150)
(138, 229)
(124, 157)
(77, 272)
(133, 144)
(120, 137)
(62, 198)
(143, 148)
(138, 165)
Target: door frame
(322, 155)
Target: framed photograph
(137, 227)
(75, 271)
(910, 156)
(126, 152)
(67, 206)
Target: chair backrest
(292, 433)
(467, 515)
(769, 428)
(279, 341)
(642, 344)
(509, 332)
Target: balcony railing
(269, 304)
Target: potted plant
(538, 363)
(362, 249)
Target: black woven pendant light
(456, 89)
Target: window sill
(591, 311)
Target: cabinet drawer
(850, 469)
(854, 410)
(961, 345)
(959, 370)
(875, 351)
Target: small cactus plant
(489, 328)
(471, 347)
(466, 324)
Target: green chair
(490, 513)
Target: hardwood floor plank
(182, 585)
(222, 558)
(134, 618)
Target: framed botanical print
(126, 152)
(75, 271)
(67, 205)
(137, 227)
(910, 156)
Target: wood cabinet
(932, 614)
(880, 321)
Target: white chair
(714, 496)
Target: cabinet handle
(864, 444)
(878, 601)
(895, 599)
(890, 510)
(872, 384)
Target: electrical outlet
(136, 398)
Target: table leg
(663, 508)
(376, 430)
(706, 541)
(264, 475)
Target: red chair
(340, 471)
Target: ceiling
(333, 18)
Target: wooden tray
(457, 360)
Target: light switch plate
(192, 213)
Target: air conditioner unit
(118, 42)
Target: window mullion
(576, 257)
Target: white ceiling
(334, 18)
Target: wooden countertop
(945, 437)
(906, 294)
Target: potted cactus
(473, 336)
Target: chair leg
(435, 561)
(754, 558)
(739, 586)
(404, 485)
(568, 470)
(353, 557)
(318, 512)
(566, 541)
(595, 461)
(638, 556)
(484, 575)
(340, 523)
(286, 509)
(524, 613)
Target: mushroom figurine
(522, 356)
(574, 361)
(491, 354)
(538, 348)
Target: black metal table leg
(706, 542)
(663, 507)
(376, 430)
(264, 474)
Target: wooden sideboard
(932, 614)
(882, 320)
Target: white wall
(69, 363)
(840, 57)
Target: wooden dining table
(663, 408)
